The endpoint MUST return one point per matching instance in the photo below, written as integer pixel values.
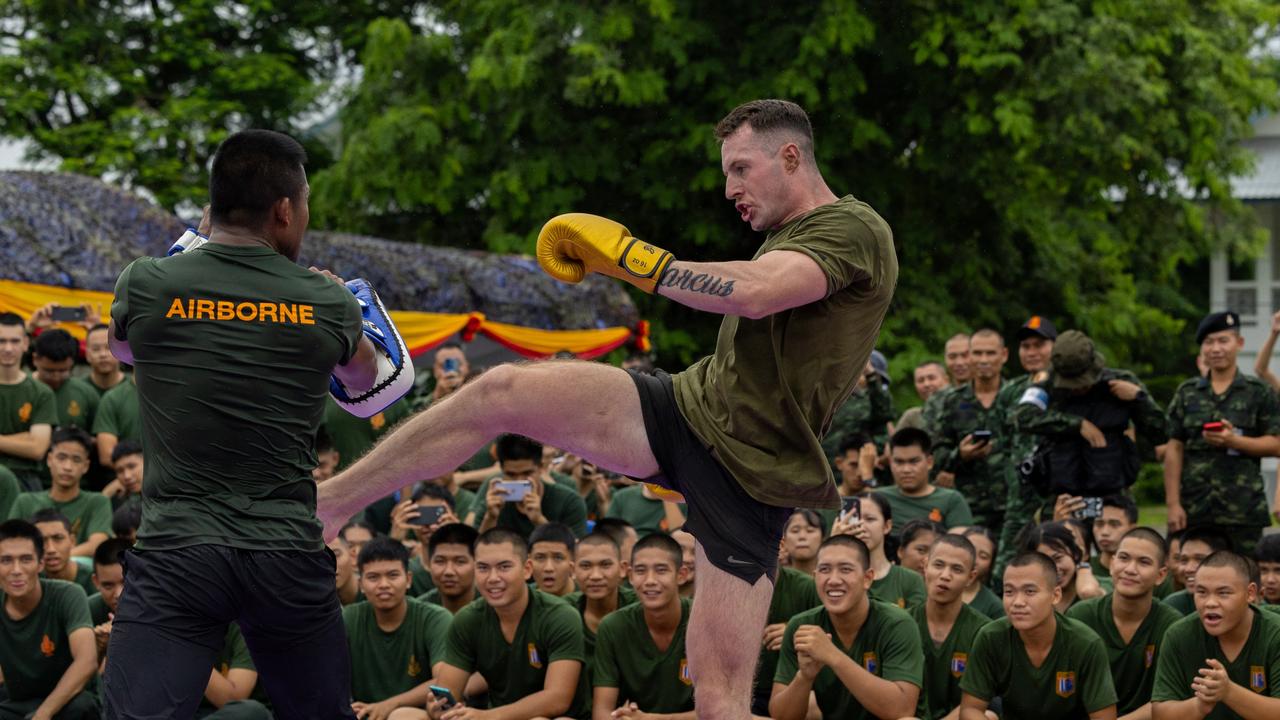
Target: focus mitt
(571, 245)
(395, 371)
(190, 240)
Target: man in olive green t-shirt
(396, 642)
(1223, 662)
(860, 657)
(119, 418)
(912, 496)
(738, 434)
(640, 664)
(58, 563)
(54, 354)
(452, 564)
(28, 411)
(1043, 665)
(947, 625)
(88, 512)
(47, 654)
(645, 511)
(598, 570)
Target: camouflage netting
(75, 231)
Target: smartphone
(1092, 508)
(516, 489)
(452, 365)
(982, 436)
(440, 692)
(62, 313)
(852, 508)
(1214, 427)
(428, 515)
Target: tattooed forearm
(700, 282)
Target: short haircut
(959, 542)
(383, 548)
(1143, 532)
(920, 526)
(96, 328)
(660, 541)
(811, 518)
(849, 541)
(18, 529)
(1268, 549)
(518, 447)
(72, 434)
(769, 117)
(125, 448)
(126, 519)
(324, 443)
(1054, 534)
(982, 530)
(599, 537)
(1035, 559)
(56, 344)
(886, 509)
(12, 319)
(109, 552)
(1210, 535)
(1125, 503)
(451, 345)
(852, 442)
(439, 492)
(986, 332)
(453, 534)
(504, 536)
(553, 532)
(252, 170)
(959, 336)
(51, 515)
(930, 363)
(1229, 559)
(358, 524)
(912, 437)
(616, 528)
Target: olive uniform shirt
(578, 600)
(1133, 663)
(35, 651)
(944, 664)
(119, 412)
(1187, 646)
(658, 681)
(944, 506)
(561, 503)
(385, 664)
(645, 515)
(89, 512)
(768, 394)
(23, 404)
(901, 587)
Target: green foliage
(1149, 487)
(144, 90)
(1031, 157)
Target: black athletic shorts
(739, 534)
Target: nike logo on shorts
(736, 561)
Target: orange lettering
(226, 310)
(176, 309)
(267, 310)
(288, 312)
(203, 308)
(305, 315)
(247, 307)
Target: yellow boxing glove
(665, 494)
(570, 245)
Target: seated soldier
(539, 502)
(623, 533)
(357, 533)
(233, 692)
(1130, 621)
(47, 654)
(396, 642)
(527, 644)
(129, 463)
(58, 564)
(327, 457)
(108, 578)
(1119, 516)
(859, 656)
(912, 496)
(430, 508)
(793, 592)
(53, 354)
(126, 521)
(915, 542)
(344, 572)
(1267, 555)
(687, 544)
(645, 511)
(870, 519)
(1198, 543)
(453, 567)
(947, 625)
(598, 569)
(978, 595)
(1223, 663)
(88, 512)
(1041, 664)
(640, 666)
(551, 552)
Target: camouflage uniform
(1021, 500)
(982, 482)
(1223, 487)
(868, 410)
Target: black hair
(51, 515)
(358, 524)
(959, 542)
(1086, 532)
(852, 442)
(96, 328)
(660, 541)
(920, 526)
(124, 448)
(982, 530)
(553, 533)
(439, 492)
(126, 519)
(503, 536)
(1226, 558)
(864, 555)
(12, 319)
(1054, 534)
(109, 552)
(72, 434)
(912, 437)
(383, 548)
(929, 363)
(252, 170)
(615, 528)
(324, 443)
(1032, 558)
(1125, 503)
(599, 537)
(811, 518)
(453, 534)
(18, 529)
(1145, 533)
(518, 447)
(1268, 549)
(450, 345)
(886, 510)
(1210, 535)
(56, 344)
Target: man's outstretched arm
(776, 281)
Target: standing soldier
(1220, 425)
(869, 410)
(968, 437)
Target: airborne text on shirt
(203, 309)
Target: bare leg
(723, 641)
(589, 409)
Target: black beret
(1216, 322)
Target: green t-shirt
(766, 397)
(233, 348)
(235, 656)
(385, 664)
(944, 506)
(658, 681)
(945, 664)
(988, 603)
(1073, 680)
(1182, 601)
(35, 651)
(549, 631)
(420, 577)
(901, 587)
(645, 515)
(561, 503)
(1133, 664)
(119, 413)
(98, 610)
(626, 596)
(10, 488)
(84, 578)
(89, 512)
(22, 405)
(1187, 646)
(887, 646)
(77, 403)
(793, 593)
